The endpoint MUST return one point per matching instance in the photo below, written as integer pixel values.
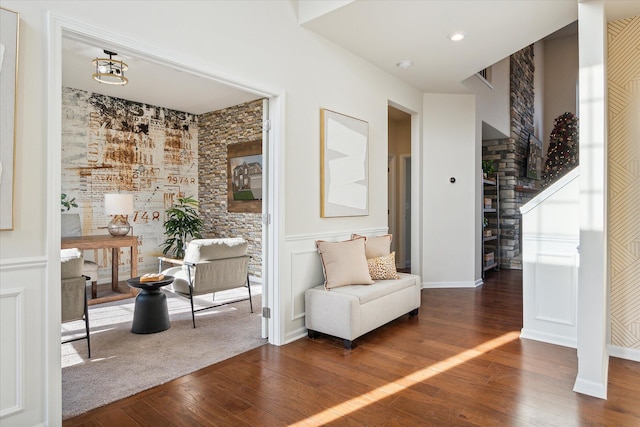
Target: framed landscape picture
(344, 158)
(534, 158)
(244, 177)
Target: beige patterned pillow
(376, 246)
(383, 268)
(344, 263)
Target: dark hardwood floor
(459, 363)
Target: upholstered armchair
(210, 266)
(74, 292)
(70, 227)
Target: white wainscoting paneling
(550, 286)
(555, 278)
(12, 360)
(22, 326)
(307, 270)
(302, 270)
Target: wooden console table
(115, 243)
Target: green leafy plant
(182, 225)
(67, 204)
(489, 166)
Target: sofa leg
(413, 312)
(348, 344)
(312, 334)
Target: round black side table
(150, 314)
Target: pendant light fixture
(109, 70)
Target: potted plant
(182, 225)
(488, 167)
(67, 204)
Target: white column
(593, 359)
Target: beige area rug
(123, 363)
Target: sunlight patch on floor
(397, 386)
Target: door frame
(404, 217)
(392, 207)
(61, 27)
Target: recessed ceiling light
(456, 36)
(404, 64)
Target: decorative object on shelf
(9, 23)
(110, 71)
(120, 206)
(183, 224)
(562, 155)
(487, 203)
(488, 167)
(67, 204)
(344, 170)
(489, 259)
(244, 177)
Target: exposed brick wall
(510, 156)
(218, 129)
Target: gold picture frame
(344, 158)
(9, 32)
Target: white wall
(231, 40)
(538, 91)
(493, 104)
(451, 144)
(559, 94)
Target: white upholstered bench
(349, 312)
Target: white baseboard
(295, 335)
(436, 285)
(590, 388)
(624, 352)
(548, 338)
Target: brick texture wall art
(112, 145)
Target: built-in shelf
(491, 244)
(523, 189)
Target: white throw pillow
(344, 263)
(376, 246)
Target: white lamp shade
(118, 204)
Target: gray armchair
(74, 292)
(70, 227)
(210, 266)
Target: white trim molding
(436, 285)
(624, 353)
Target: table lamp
(118, 205)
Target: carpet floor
(123, 364)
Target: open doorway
(66, 30)
(399, 170)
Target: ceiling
(386, 32)
(381, 32)
(149, 82)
